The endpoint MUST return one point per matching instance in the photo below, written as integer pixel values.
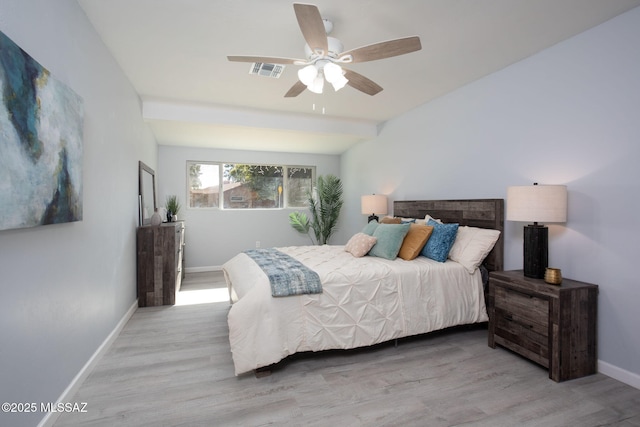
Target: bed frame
(482, 213)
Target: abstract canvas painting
(41, 124)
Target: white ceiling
(175, 54)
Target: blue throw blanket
(287, 275)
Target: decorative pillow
(414, 241)
(390, 220)
(370, 228)
(390, 237)
(441, 240)
(428, 217)
(360, 244)
(472, 245)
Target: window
(248, 186)
(204, 184)
(300, 183)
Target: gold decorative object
(553, 276)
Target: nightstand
(554, 326)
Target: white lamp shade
(308, 74)
(334, 75)
(339, 83)
(537, 203)
(317, 85)
(332, 72)
(374, 204)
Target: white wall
(213, 236)
(64, 288)
(568, 115)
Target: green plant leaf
(325, 204)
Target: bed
(365, 300)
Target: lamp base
(372, 217)
(536, 250)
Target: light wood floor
(171, 366)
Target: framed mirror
(146, 193)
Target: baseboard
(619, 374)
(72, 388)
(203, 269)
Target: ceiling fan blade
(360, 82)
(295, 90)
(386, 49)
(263, 59)
(312, 27)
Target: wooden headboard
(482, 213)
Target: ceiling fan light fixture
(308, 74)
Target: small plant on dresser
(172, 206)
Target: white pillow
(360, 244)
(472, 245)
(428, 217)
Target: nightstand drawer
(522, 323)
(522, 338)
(528, 310)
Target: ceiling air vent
(267, 70)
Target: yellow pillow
(414, 241)
(390, 220)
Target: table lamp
(373, 204)
(536, 203)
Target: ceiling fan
(325, 56)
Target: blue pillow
(441, 241)
(370, 228)
(390, 237)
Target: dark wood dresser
(160, 263)
(552, 325)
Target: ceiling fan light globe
(317, 85)
(339, 83)
(332, 72)
(308, 74)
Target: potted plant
(325, 203)
(172, 206)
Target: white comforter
(364, 301)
